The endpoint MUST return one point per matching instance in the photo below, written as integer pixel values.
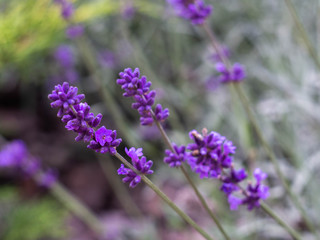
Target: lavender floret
(63, 97)
(175, 159)
(139, 162)
(105, 141)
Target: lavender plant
(210, 155)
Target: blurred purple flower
(252, 194)
(235, 74)
(107, 59)
(64, 56)
(74, 31)
(225, 53)
(128, 11)
(194, 10)
(67, 8)
(15, 155)
(48, 178)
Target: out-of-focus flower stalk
(77, 208)
(247, 106)
(312, 51)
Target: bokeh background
(283, 86)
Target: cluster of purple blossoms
(194, 10)
(66, 60)
(175, 159)
(67, 11)
(252, 194)
(79, 119)
(139, 88)
(211, 157)
(74, 31)
(15, 155)
(235, 74)
(67, 8)
(139, 162)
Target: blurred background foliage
(283, 85)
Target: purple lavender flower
(175, 159)
(225, 53)
(74, 31)
(79, 119)
(236, 74)
(139, 162)
(212, 153)
(194, 10)
(107, 59)
(212, 158)
(67, 9)
(63, 97)
(15, 155)
(64, 56)
(48, 178)
(128, 11)
(105, 141)
(139, 88)
(252, 194)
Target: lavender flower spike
(194, 10)
(139, 162)
(15, 155)
(139, 88)
(235, 74)
(212, 157)
(79, 119)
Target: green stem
(77, 208)
(192, 184)
(247, 106)
(165, 198)
(118, 188)
(312, 51)
(272, 214)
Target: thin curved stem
(282, 223)
(165, 198)
(77, 208)
(312, 51)
(192, 184)
(247, 106)
(118, 188)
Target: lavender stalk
(247, 106)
